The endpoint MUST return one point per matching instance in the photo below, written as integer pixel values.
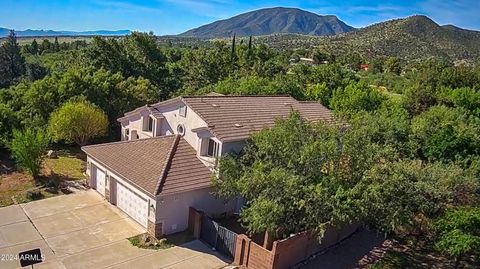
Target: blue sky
(176, 16)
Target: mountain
(272, 20)
(29, 32)
(413, 37)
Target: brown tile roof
(186, 172)
(233, 118)
(165, 164)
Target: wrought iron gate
(219, 237)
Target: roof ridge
(166, 167)
(127, 141)
(230, 96)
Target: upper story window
(148, 124)
(213, 148)
(181, 129)
(127, 134)
(182, 111)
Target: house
(364, 67)
(167, 154)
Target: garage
(100, 179)
(132, 204)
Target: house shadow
(360, 247)
(201, 247)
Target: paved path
(83, 231)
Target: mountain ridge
(33, 33)
(271, 20)
(413, 37)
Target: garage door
(100, 182)
(132, 204)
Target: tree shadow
(363, 247)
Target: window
(182, 111)
(148, 124)
(127, 134)
(213, 148)
(181, 129)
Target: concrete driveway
(81, 230)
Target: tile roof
(166, 164)
(232, 118)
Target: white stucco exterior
(172, 210)
(168, 124)
(110, 184)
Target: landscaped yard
(15, 185)
(148, 242)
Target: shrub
(28, 148)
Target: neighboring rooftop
(232, 118)
(155, 165)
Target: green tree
(466, 97)
(393, 194)
(46, 46)
(392, 65)
(376, 65)
(28, 148)
(12, 63)
(444, 133)
(77, 122)
(356, 97)
(459, 233)
(8, 122)
(56, 45)
(296, 176)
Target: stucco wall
(173, 210)
(117, 178)
(168, 125)
(173, 119)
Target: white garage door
(132, 204)
(100, 182)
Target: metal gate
(219, 237)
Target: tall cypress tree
(56, 45)
(34, 47)
(233, 54)
(12, 63)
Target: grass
(14, 185)
(68, 166)
(148, 242)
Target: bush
(77, 122)
(28, 148)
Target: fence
(282, 254)
(287, 252)
(212, 233)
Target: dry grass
(14, 184)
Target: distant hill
(269, 21)
(25, 33)
(409, 38)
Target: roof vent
(238, 125)
(287, 104)
(215, 105)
